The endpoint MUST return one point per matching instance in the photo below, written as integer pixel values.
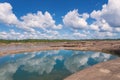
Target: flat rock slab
(109, 70)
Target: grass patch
(54, 40)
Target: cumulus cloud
(9, 18)
(117, 29)
(40, 20)
(107, 20)
(110, 13)
(12, 34)
(80, 35)
(6, 14)
(94, 27)
(41, 25)
(28, 22)
(102, 35)
(75, 20)
(101, 25)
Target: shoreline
(112, 47)
(109, 70)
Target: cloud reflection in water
(45, 62)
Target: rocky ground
(103, 46)
(104, 71)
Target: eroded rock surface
(104, 71)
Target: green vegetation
(32, 40)
(48, 40)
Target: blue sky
(59, 19)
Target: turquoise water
(48, 65)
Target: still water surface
(48, 65)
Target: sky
(59, 19)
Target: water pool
(48, 65)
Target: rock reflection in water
(48, 65)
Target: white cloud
(6, 14)
(11, 35)
(79, 35)
(110, 13)
(48, 34)
(41, 25)
(52, 32)
(105, 26)
(28, 22)
(85, 16)
(39, 20)
(117, 29)
(3, 35)
(102, 35)
(107, 20)
(94, 27)
(101, 25)
(75, 20)
(96, 14)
